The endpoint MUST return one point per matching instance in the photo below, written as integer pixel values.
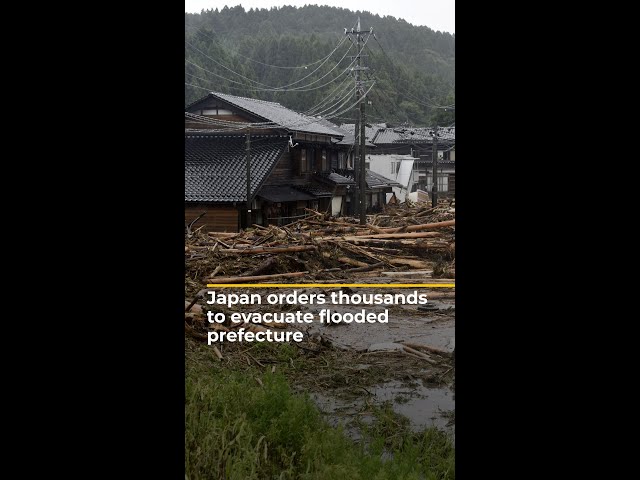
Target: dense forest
(302, 58)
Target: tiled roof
(337, 178)
(411, 135)
(276, 113)
(215, 168)
(375, 180)
(316, 190)
(350, 129)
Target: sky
(435, 14)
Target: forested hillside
(301, 58)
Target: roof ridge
(251, 99)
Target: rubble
(404, 239)
(320, 247)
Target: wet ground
(368, 369)
(425, 403)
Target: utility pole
(249, 178)
(359, 146)
(434, 186)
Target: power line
(283, 87)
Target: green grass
(237, 428)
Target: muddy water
(423, 406)
(406, 323)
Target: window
(304, 167)
(324, 164)
(395, 166)
(341, 163)
(443, 182)
(216, 111)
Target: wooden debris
(255, 278)
(351, 261)
(217, 352)
(429, 348)
(418, 354)
(404, 237)
(255, 251)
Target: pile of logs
(321, 247)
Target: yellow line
(331, 285)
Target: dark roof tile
(215, 168)
(276, 113)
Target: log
(217, 352)
(393, 243)
(195, 299)
(341, 224)
(429, 348)
(376, 229)
(422, 355)
(221, 234)
(254, 251)
(365, 269)
(255, 278)
(399, 235)
(350, 261)
(191, 306)
(425, 226)
(315, 212)
(408, 262)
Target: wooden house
(292, 163)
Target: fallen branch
(350, 261)
(417, 353)
(197, 309)
(256, 278)
(399, 235)
(429, 348)
(365, 269)
(253, 251)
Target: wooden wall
(219, 218)
(285, 171)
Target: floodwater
(423, 406)
(407, 323)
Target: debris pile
(405, 241)
(320, 247)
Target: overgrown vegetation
(233, 51)
(248, 424)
